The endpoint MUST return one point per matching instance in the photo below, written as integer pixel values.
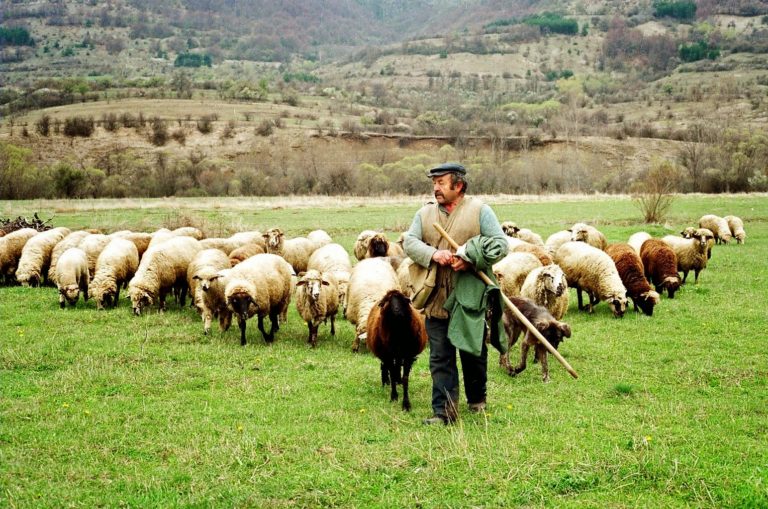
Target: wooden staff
(520, 316)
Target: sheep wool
(333, 259)
(371, 279)
(636, 240)
(512, 270)
(691, 254)
(11, 246)
(319, 238)
(632, 274)
(140, 239)
(213, 302)
(736, 225)
(581, 232)
(35, 257)
(660, 266)
(317, 300)
(71, 240)
(93, 245)
(590, 269)
(557, 239)
(72, 276)
(212, 260)
(115, 266)
(718, 226)
(548, 287)
(295, 251)
(244, 252)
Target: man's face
(445, 191)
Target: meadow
(102, 408)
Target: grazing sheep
(333, 259)
(162, 268)
(360, 249)
(71, 240)
(636, 240)
(72, 276)
(317, 300)
(319, 238)
(688, 232)
(396, 335)
(213, 302)
(115, 266)
(188, 231)
(295, 251)
(718, 226)
(512, 230)
(632, 274)
(553, 331)
(557, 239)
(93, 245)
(11, 246)
(261, 286)
(590, 269)
(581, 232)
(538, 251)
(691, 253)
(512, 270)
(249, 237)
(205, 261)
(736, 225)
(547, 286)
(371, 279)
(159, 236)
(243, 252)
(140, 239)
(35, 259)
(660, 266)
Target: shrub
(78, 126)
(159, 135)
(266, 128)
(681, 9)
(654, 191)
(553, 23)
(180, 136)
(109, 122)
(205, 124)
(192, 60)
(43, 125)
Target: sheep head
(510, 228)
(672, 284)
(140, 299)
(618, 304)
(646, 301)
(70, 293)
(311, 282)
(579, 232)
(274, 238)
(688, 232)
(553, 280)
(378, 245)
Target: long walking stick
(520, 316)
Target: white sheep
(736, 225)
(371, 279)
(592, 270)
(93, 245)
(512, 230)
(11, 246)
(360, 249)
(159, 236)
(72, 276)
(295, 251)
(140, 239)
(249, 237)
(692, 254)
(636, 240)
(581, 232)
(333, 259)
(205, 261)
(188, 231)
(213, 302)
(161, 268)
(319, 238)
(242, 253)
(404, 278)
(71, 240)
(512, 270)
(261, 286)
(115, 266)
(520, 246)
(557, 239)
(547, 286)
(35, 259)
(225, 245)
(317, 300)
(718, 226)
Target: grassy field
(107, 409)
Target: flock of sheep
(258, 274)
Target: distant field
(107, 409)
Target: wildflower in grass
(362, 410)
(509, 407)
(87, 412)
(240, 428)
(65, 405)
(648, 438)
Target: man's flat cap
(447, 168)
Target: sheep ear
(569, 230)
(196, 277)
(324, 282)
(301, 282)
(301, 274)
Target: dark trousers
(445, 373)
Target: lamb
(589, 234)
(592, 270)
(71, 240)
(261, 286)
(162, 268)
(691, 253)
(632, 274)
(243, 252)
(396, 335)
(72, 276)
(213, 302)
(35, 258)
(295, 251)
(718, 226)
(360, 249)
(557, 239)
(554, 332)
(93, 245)
(333, 259)
(736, 225)
(205, 261)
(11, 246)
(319, 238)
(115, 266)
(660, 266)
(371, 279)
(636, 240)
(548, 287)
(317, 300)
(512, 270)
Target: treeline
(16, 36)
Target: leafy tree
(15, 36)
(684, 10)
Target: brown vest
(462, 224)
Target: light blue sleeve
(413, 245)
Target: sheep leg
(579, 297)
(225, 321)
(61, 301)
(685, 276)
(117, 297)
(696, 274)
(241, 323)
(182, 296)
(541, 355)
(384, 374)
(312, 334)
(275, 326)
(394, 368)
(207, 319)
(407, 364)
(267, 337)
(333, 325)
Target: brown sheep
(396, 335)
(660, 266)
(632, 274)
(553, 331)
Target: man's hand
(459, 264)
(443, 257)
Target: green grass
(108, 409)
